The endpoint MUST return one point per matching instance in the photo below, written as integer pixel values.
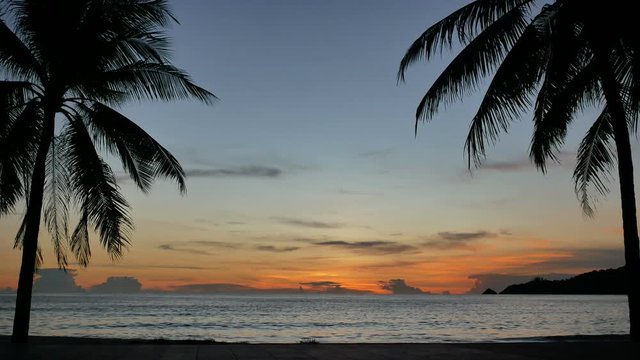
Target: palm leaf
(509, 93)
(474, 62)
(94, 184)
(596, 158)
(79, 241)
(561, 102)
(465, 22)
(141, 155)
(15, 57)
(145, 80)
(58, 196)
(17, 145)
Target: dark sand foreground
(52, 348)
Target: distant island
(599, 282)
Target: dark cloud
(170, 247)
(339, 290)
(195, 246)
(465, 236)
(499, 282)
(399, 287)
(307, 223)
(56, 281)
(331, 287)
(271, 248)
(210, 243)
(565, 159)
(142, 266)
(235, 222)
(457, 240)
(374, 247)
(321, 284)
(255, 171)
(401, 263)
(118, 285)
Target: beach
(58, 348)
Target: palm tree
(66, 65)
(555, 58)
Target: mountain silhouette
(600, 282)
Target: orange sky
(308, 170)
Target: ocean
(323, 318)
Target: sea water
(324, 318)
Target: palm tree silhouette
(67, 64)
(556, 58)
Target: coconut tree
(550, 60)
(67, 65)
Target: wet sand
(582, 348)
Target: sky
(306, 173)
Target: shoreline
(561, 348)
(68, 340)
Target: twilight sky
(307, 170)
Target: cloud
(195, 246)
(118, 285)
(271, 248)
(465, 236)
(508, 166)
(374, 247)
(394, 264)
(499, 282)
(399, 287)
(255, 171)
(456, 240)
(143, 266)
(56, 281)
(307, 223)
(582, 259)
(356, 192)
(210, 243)
(321, 283)
(565, 159)
(331, 287)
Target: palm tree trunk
(32, 228)
(627, 193)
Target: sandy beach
(54, 348)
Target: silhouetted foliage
(601, 282)
(67, 65)
(552, 59)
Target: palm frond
(596, 158)
(15, 57)
(141, 155)
(79, 241)
(17, 143)
(474, 62)
(146, 81)
(561, 102)
(466, 22)
(57, 198)
(94, 184)
(509, 93)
